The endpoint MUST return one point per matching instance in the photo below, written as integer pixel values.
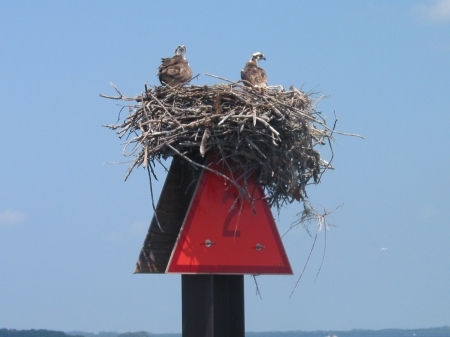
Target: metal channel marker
(224, 234)
(201, 233)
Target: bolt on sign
(203, 225)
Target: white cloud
(439, 11)
(139, 228)
(11, 218)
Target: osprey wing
(174, 71)
(254, 75)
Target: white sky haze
(438, 11)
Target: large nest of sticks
(274, 132)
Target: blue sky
(71, 229)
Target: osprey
(252, 75)
(175, 70)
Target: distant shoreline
(428, 332)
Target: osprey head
(258, 56)
(181, 50)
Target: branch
(121, 97)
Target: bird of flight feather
(175, 71)
(252, 75)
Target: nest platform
(271, 132)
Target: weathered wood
(172, 207)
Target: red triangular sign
(217, 238)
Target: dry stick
(146, 156)
(118, 117)
(224, 119)
(274, 109)
(332, 152)
(325, 245)
(344, 133)
(306, 263)
(221, 150)
(239, 188)
(122, 97)
(141, 139)
(256, 285)
(165, 109)
(253, 115)
(226, 162)
(205, 137)
(321, 222)
(130, 169)
(259, 119)
(235, 94)
(255, 147)
(338, 132)
(303, 114)
(323, 255)
(160, 163)
(221, 78)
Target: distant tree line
(432, 332)
(113, 334)
(90, 334)
(33, 333)
(50, 333)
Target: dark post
(213, 305)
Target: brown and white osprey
(252, 75)
(175, 70)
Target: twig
(224, 79)
(258, 293)
(242, 192)
(307, 215)
(121, 97)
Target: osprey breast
(252, 75)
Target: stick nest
(270, 131)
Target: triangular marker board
(221, 233)
(170, 213)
